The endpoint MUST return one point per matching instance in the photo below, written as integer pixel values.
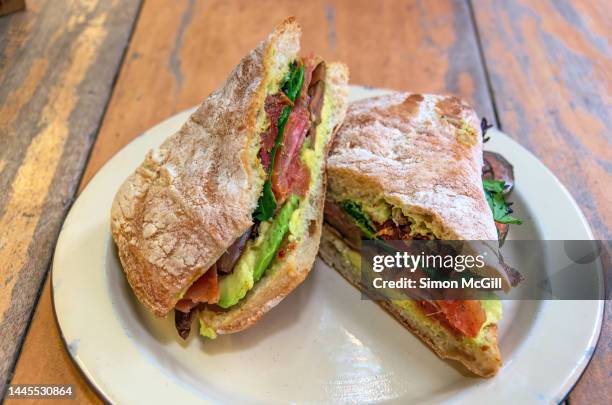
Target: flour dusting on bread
(419, 153)
(195, 194)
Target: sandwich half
(223, 220)
(405, 167)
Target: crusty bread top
(195, 194)
(421, 153)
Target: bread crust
(285, 275)
(422, 153)
(482, 359)
(195, 194)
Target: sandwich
(407, 167)
(223, 220)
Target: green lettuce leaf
(494, 192)
(294, 82)
(267, 204)
(361, 218)
(267, 201)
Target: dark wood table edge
(48, 271)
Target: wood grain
(595, 384)
(550, 64)
(57, 64)
(548, 57)
(11, 6)
(43, 359)
(179, 54)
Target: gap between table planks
(162, 74)
(549, 65)
(58, 61)
(178, 56)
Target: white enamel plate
(321, 344)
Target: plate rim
(90, 379)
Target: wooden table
(80, 79)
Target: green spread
(257, 257)
(492, 307)
(259, 254)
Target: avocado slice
(256, 258)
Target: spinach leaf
(361, 218)
(494, 192)
(294, 83)
(267, 201)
